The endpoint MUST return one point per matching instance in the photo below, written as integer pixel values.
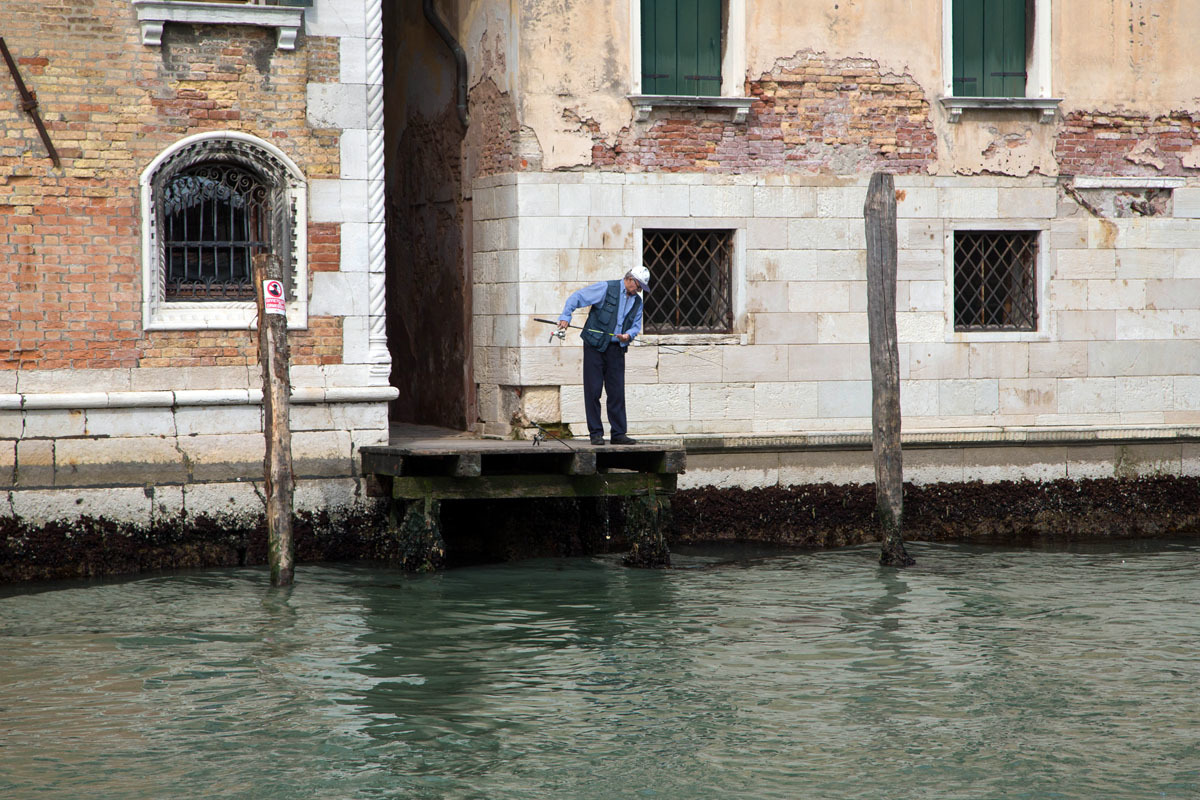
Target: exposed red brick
(816, 115)
(1101, 143)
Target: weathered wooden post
(880, 214)
(277, 387)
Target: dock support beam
(417, 529)
(645, 519)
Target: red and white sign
(273, 300)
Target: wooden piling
(277, 466)
(879, 212)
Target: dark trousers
(604, 370)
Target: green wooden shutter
(988, 48)
(681, 47)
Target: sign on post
(273, 299)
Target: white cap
(642, 276)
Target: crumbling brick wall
(1115, 143)
(70, 239)
(814, 114)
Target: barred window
(209, 204)
(214, 218)
(691, 274)
(994, 280)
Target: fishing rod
(561, 333)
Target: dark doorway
(428, 257)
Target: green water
(981, 673)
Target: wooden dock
(422, 466)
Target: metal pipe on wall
(460, 58)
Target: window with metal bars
(214, 219)
(691, 281)
(994, 280)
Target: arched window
(209, 204)
(214, 218)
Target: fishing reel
(561, 334)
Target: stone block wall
(1115, 345)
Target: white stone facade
(1117, 343)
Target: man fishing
(614, 321)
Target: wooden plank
(378, 461)
(467, 465)
(708, 51)
(687, 42)
(377, 485)
(968, 48)
(666, 48)
(582, 463)
(672, 461)
(518, 486)
(1013, 49)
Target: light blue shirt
(590, 295)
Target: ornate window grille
(214, 218)
(994, 280)
(691, 281)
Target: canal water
(980, 673)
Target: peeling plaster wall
(1134, 55)
(574, 65)
(572, 75)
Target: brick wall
(815, 115)
(70, 238)
(1113, 143)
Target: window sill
(692, 339)
(643, 104)
(154, 14)
(224, 316)
(1047, 106)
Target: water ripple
(980, 673)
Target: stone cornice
(154, 14)
(191, 397)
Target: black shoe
(597, 440)
(623, 440)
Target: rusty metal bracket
(29, 103)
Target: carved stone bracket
(154, 14)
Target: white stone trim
(956, 437)
(1046, 107)
(160, 315)
(378, 354)
(1137, 182)
(643, 104)
(154, 14)
(192, 397)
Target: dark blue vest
(602, 316)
